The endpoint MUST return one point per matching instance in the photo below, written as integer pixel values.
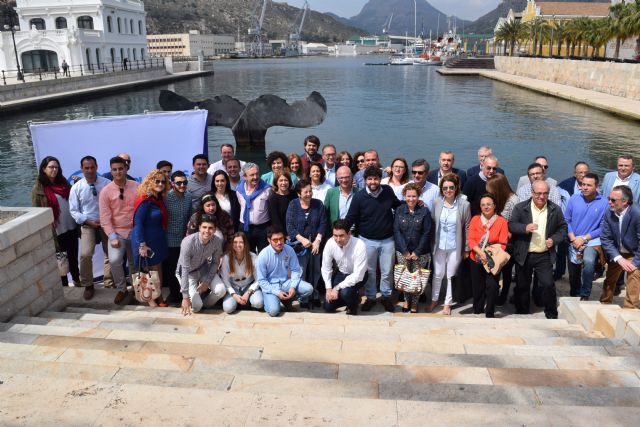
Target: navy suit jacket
(610, 237)
(569, 185)
(475, 170)
(433, 176)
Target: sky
(466, 9)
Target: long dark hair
(213, 181)
(249, 267)
(44, 179)
(498, 186)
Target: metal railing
(39, 74)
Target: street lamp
(13, 29)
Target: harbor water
(409, 112)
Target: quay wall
(607, 77)
(19, 91)
(29, 278)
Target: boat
(402, 58)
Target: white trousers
(445, 263)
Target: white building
(82, 32)
(191, 44)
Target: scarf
(156, 201)
(486, 223)
(248, 200)
(50, 192)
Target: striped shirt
(179, 209)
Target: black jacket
(521, 216)
(433, 176)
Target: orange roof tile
(573, 9)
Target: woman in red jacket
(485, 229)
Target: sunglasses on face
(418, 172)
(360, 161)
(180, 183)
(159, 181)
(449, 188)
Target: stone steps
(127, 362)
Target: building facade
(190, 44)
(81, 32)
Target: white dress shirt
(83, 204)
(351, 260)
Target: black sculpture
(249, 123)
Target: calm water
(401, 111)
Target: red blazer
(499, 233)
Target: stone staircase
(476, 63)
(99, 364)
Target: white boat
(401, 59)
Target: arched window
(119, 25)
(139, 27)
(61, 23)
(131, 25)
(109, 24)
(38, 23)
(85, 22)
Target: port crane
(387, 25)
(256, 22)
(294, 37)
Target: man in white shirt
(420, 170)
(329, 160)
(350, 255)
(85, 210)
(226, 153)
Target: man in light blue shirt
(85, 210)
(420, 170)
(275, 262)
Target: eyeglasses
(159, 181)
(545, 167)
(121, 193)
(180, 183)
(418, 172)
(545, 194)
(340, 178)
(491, 168)
(93, 190)
(277, 239)
(612, 200)
(360, 161)
(449, 188)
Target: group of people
(322, 226)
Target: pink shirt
(116, 214)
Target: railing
(40, 74)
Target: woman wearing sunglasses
(150, 221)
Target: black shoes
(584, 298)
(388, 305)
(368, 304)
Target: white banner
(148, 138)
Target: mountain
(376, 13)
(231, 17)
(486, 23)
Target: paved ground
(614, 104)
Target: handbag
(63, 263)
(146, 284)
(413, 283)
(496, 258)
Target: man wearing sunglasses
(476, 185)
(542, 161)
(116, 219)
(178, 203)
(420, 171)
(85, 210)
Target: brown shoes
(120, 297)
(89, 291)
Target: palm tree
(559, 34)
(511, 33)
(619, 12)
(631, 22)
(544, 34)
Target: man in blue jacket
(623, 176)
(621, 242)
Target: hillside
(376, 13)
(486, 23)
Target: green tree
(511, 32)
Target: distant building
(81, 32)
(190, 44)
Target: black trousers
(169, 278)
(485, 290)
(257, 236)
(540, 263)
(68, 243)
(347, 296)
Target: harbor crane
(294, 37)
(255, 30)
(387, 25)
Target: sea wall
(29, 278)
(606, 77)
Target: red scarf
(155, 201)
(50, 192)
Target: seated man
(350, 255)
(197, 270)
(279, 274)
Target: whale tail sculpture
(249, 123)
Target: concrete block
(10, 288)
(47, 250)
(165, 378)
(467, 393)
(80, 342)
(280, 368)
(19, 266)
(31, 221)
(563, 378)
(475, 360)
(39, 368)
(624, 318)
(606, 320)
(304, 386)
(414, 374)
(26, 297)
(7, 256)
(588, 396)
(632, 333)
(28, 244)
(41, 303)
(567, 308)
(126, 359)
(586, 314)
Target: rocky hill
(376, 13)
(231, 17)
(486, 23)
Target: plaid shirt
(179, 209)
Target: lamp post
(13, 29)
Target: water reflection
(409, 111)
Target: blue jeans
(581, 283)
(272, 302)
(383, 252)
(229, 305)
(347, 296)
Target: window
(139, 27)
(98, 57)
(113, 55)
(109, 24)
(88, 53)
(38, 23)
(61, 23)
(119, 25)
(135, 57)
(131, 26)
(141, 53)
(85, 22)
(39, 60)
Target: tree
(619, 12)
(559, 34)
(511, 32)
(631, 22)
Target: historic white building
(82, 32)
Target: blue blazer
(634, 185)
(569, 185)
(610, 237)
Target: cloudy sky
(466, 9)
